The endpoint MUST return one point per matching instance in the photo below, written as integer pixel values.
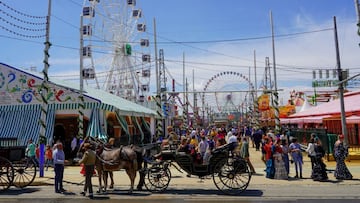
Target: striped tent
(95, 129)
(21, 122)
(20, 110)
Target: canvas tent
(20, 106)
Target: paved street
(184, 189)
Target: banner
(264, 102)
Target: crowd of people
(201, 142)
(278, 152)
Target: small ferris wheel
(228, 92)
(115, 48)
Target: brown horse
(124, 157)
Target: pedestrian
(263, 152)
(319, 170)
(59, 160)
(194, 140)
(37, 152)
(296, 154)
(31, 151)
(173, 136)
(244, 153)
(202, 147)
(311, 150)
(88, 160)
(268, 149)
(209, 149)
(285, 155)
(257, 136)
(48, 156)
(340, 154)
(280, 170)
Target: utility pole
(195, 110)
(163, 90)
(256, 102)
(156, 62)
(276, 94)
(159, 120)
(185, 103)
(357, 8)
(341, 85)
(44, 91)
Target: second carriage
(230, 173)
(16, 169)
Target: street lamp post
(341, 85)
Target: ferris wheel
(228, 92)
(115, 48)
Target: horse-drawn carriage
(230, 173)
(15, 168)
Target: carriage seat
(168, 154)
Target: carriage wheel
(158, 178)
(232, 176)
(6, 174)
(24, 172)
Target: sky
(204, 38)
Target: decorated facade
(105, 115)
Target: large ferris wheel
(115, 48)
(228, 92)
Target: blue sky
(213, 35)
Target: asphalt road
(196, 191)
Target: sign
(264, 102)
(325, 83)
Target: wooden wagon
(15, 167)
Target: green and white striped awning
(26, 119)
(60, 106)
(21, 122)
(19, 107)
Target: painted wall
(18, 87)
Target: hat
(341, 136)
(86, 145)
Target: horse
(124, 157)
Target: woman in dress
(285, 155)
(340, 154)
(319, 168)
(280, 170)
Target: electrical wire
(288, 68)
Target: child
(37, 151)
(48, 156)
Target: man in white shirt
(232, 139)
